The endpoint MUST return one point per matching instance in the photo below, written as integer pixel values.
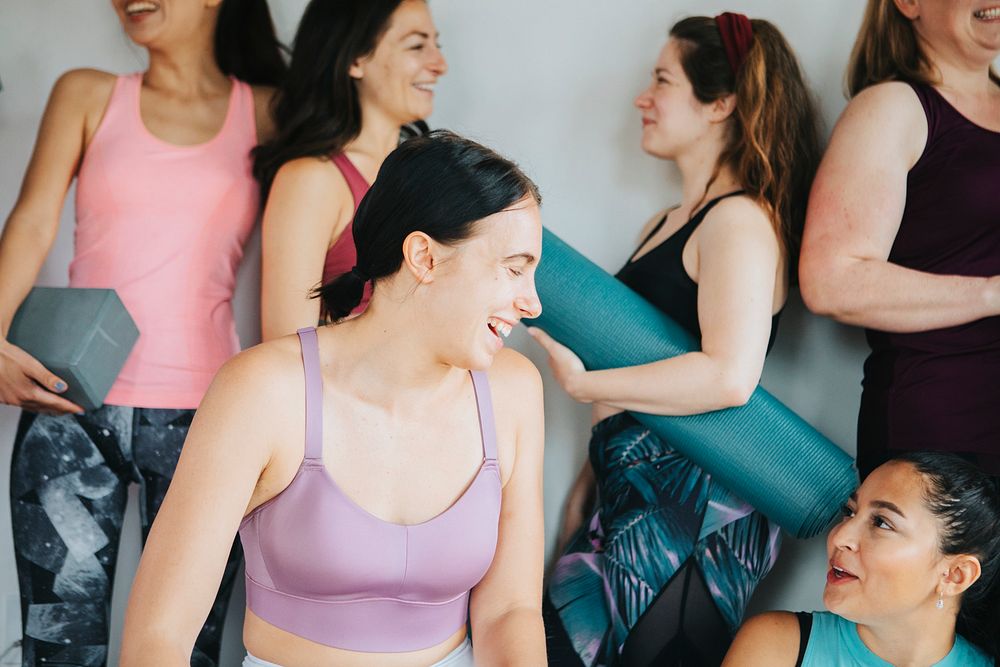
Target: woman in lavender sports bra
(384, 473)
(360, 71)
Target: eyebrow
(419, 33)
(526, 256)
(886, 505)
(662, 70)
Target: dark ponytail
(246, 45)
(967, 503)
(440, 184)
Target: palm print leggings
(68, 490)
(664, 570)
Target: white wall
(549, 83)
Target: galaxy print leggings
(68, 489)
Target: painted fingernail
(60, 386)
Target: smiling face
(398, 78)
(885, 560)
(485, 285)
(153, 23)
(969, 28)
(673, 119)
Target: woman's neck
(924, 639)
(702, 178)
(185, 71)
(379, 136)
(958, 73)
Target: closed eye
(515, 272)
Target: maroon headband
(737, 36)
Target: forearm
(146, 649)
(512, 639)
(881, 295)
(687, 384)
(23, 248)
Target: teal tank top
(835, 641)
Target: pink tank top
(321, 567)
(164, 225)
(342, 255)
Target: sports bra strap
(314, 393)
(484, 404)
(805, 629)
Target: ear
(963, 571)
(722, 108)
(908, 8)
(419, 256)
(356, 70)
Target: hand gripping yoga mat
(762, 451)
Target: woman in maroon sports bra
(903, 231)
(384, 472)
(360, 70)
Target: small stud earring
(940, 603)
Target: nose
(643, 100)
(844, 536)
(438, 64)
(528, 303)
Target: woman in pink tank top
(360, 71)
(384, 473)
(164, 203)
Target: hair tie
(737, 37)
(360, 275)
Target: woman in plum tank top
(360, 71)
(384, 472)
(903, 230)
(164, 203)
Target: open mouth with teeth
(140, 7)
(426, 87)
(988, 14)
(498, 328)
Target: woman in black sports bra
(662, 572)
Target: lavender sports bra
(321, 567)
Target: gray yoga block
(82, 335)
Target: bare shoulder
(265, 375)
(770, 639)
(263, 100)
(87, 90)
(885, 117)
(737, 220)
(311, 175)
(513, 376)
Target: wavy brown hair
(773, 147)
(887, 49)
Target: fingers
(40, 374)
(543, 339)
(46, 402)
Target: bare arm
(854, 214)
(32, 225)
(226, 452)
(766, 640)
(506, 606)
(308, 208)
(738, 261)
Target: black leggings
(682, 627)
(68, 490)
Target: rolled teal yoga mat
(762, 451)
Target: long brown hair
(773, 147)
(887, 49)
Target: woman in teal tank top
(913, 577)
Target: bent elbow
(736, 390)
(818, 289)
